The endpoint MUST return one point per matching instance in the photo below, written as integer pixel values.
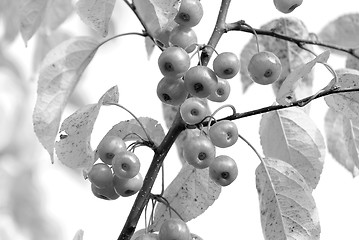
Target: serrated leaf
(343, 31)
(286, 91)
(287, 207)
(346, 103)
(342, 136)
(79, 235)
(166, 10)
(32, 13)
(190, 194)
(131, 130)
(291, 135)
(96, 13)
(57, 12)
(74, 147)
(59, 75)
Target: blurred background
(40, 200)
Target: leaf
(150, 46)
(342, 136)
(79, 235)
(96, 13)
(190, 194)
(11, 19)
(287, 207)
(147, 12)
(286, 91)
(346, 103)
(291, 135)
(59, 74)
(74, 147)
(32, 13)
(131, 130)
(166, 10)
(343, 31)
(57, 12)
(352, 62)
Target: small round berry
(126, 187)
(199, 151)
(109, 146)
(222, 91)
(100, 175)
(174, 229)
(190, 13)
(184, 37)
(200, 81)
(171, 91)
(126, 164)
(107, 193)
(287, 6)
(226, 65)
(193, 110)
(174, 62)
(223, 170)
(223, 133)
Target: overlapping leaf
(346, 103)
(59, 75)
(352, 62)
(287, 207)
(57, 12)
(190, 194)
(79, 235)
(74, 147)
(291, 135)
(342, 135)
(96, 13)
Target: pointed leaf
(342, 135)
(74, 147)
(32, 13)
(343, 31)
(150, 46)
(57, 12)
(286, 91)
(346, 103)
(59, 74)
(148, 14)
(287, 207)
(291, 135)
(79, 235)
(190, 194)
(96, 13)
(166, 10)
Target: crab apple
(174, 229)
(287, 6)
(174, 62)
(148, 236)
(100, 175)
(264, 68)
(223, 170)
(226, 65)
(199, 151)
(171, 90)
(222, 91)
(190, 13)
(223, 133)
(107, 193)
(126, 187)
(126, 164)
(193, 110)
(109, 147)
(184, 37)
(200, 81)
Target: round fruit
(190, 13)
(226, 65)
(199, 151)
(184, 37)
(224, 133)
(200, 81)
(171, 91)
(100, 175)
(222, 91)
(174, 229)
(287, 6)
(109, 147)
(174, 62)
(107, 193)
(264, 68)
(148, 236)
(193, 110)
(126, 187)
(126, 164)
(223, 170)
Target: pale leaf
(342, 136)
(96, 13)
(147, 12)
(130, 130)
(59, 75)
(291, 135)
(74, 147)
(287, 207)
(343, 31)
(286, 91)
(79, 235)
(166, 10)
(150, 46)
(346, 103)
(190, 194)
(31, 13)
(10, 18)
(57, 12)
(352, 62)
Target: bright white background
(235, 215)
